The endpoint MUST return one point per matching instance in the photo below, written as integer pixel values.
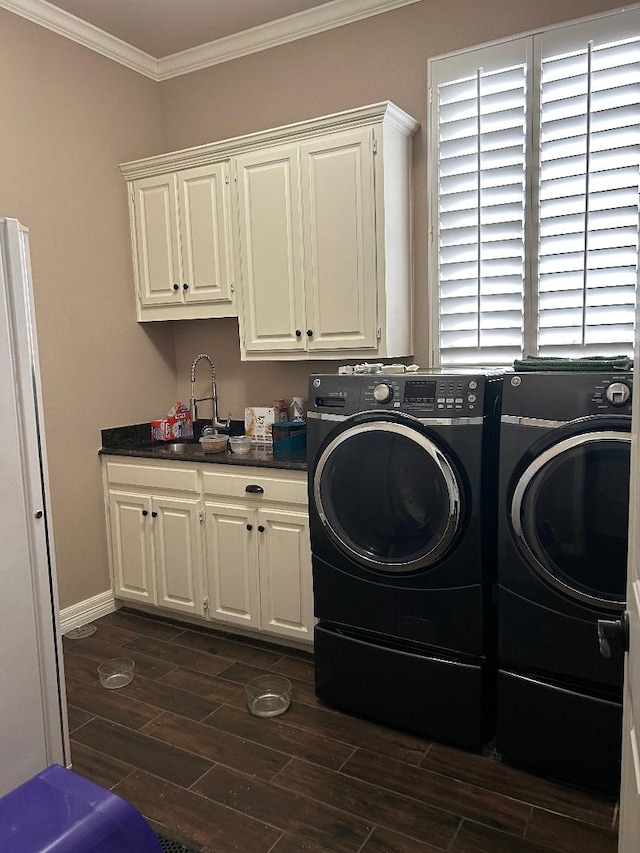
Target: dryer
(403, 548)
(562, 548)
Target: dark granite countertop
(135, 441)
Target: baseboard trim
(88, 610)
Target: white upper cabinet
(324, 240)
(181, 228)
(315, 225)
(307, 249)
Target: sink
(178, 447)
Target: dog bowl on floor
(268, 695)
(116, 672)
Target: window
(534, 169)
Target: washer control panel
(424, 396)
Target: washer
(562, 548)
(403, 548)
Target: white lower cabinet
(258, 558)
(228, 545)
(155, 536)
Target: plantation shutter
(589, 192)
(481, 151)
(535, 185)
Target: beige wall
(68, 117)
(381, 58)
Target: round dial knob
(617, 393)
(382, 393)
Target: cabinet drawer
(159, 477)
(291, 488)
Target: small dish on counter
(240, 443)
(214, 443)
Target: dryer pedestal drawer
(559, 733)
(444, 700)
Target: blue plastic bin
(58, 811)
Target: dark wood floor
(180, 744)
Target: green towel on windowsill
(593, 363)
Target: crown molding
(67, 25)
(385, 112)
(326, 17)
(303, 24)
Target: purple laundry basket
(58, 811)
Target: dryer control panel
(564, 396)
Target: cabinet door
(131, 547)
(157, 248)
(178, 553)
(338, 196)
(205, 235)
(284, 556)
(231, 559)
(270, 256)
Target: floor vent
(170, 846)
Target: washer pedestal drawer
(438, 698)
(559, 732)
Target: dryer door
(387, 496)
(569, 513)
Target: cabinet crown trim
(202, 155)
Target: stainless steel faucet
(215, 423)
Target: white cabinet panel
(205, 234)
(232, 565)
(157, 254)
(339, 241)
(285, 574)
(270, 249)
(178, 553)
(131, 546)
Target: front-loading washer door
(388, 496)
(570, 511)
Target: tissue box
(177, 424)
(258, 423)
(168, 429)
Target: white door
(157, 246)
(178, 553)
(338, 204)
(270, 251)
(284, 557)
(131, 547)
(630, 789)
(32, 708)
(232, 564)
(205, 239)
